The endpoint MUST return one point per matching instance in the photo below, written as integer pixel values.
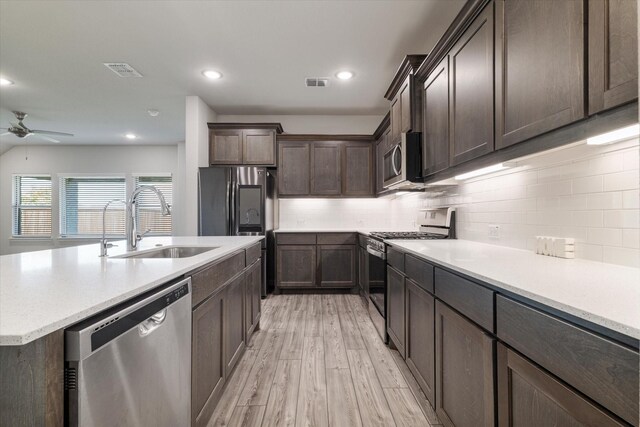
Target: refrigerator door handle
(233, 184)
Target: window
(82, 200)
(31, 206)
(149, 213)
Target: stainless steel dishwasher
(131, 366)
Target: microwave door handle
(393, 160)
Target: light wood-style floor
(318, 361)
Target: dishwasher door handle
(152, 323)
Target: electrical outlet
(494, 231)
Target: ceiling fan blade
(55, 141)
(48, 132)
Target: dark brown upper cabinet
(539, 67)
(471, 88)
(316, 166)
(326, 169)
(435, 128)
(243, 143)
(382, 137)
(613, 53)
(404, 95)
(358, 169)
(293, 170)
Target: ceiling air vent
(122, 69)
(316, 82)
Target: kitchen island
(43, 292)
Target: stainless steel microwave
(402, 163)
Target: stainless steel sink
(170, 252)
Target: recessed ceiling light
(212, 74)
(344, 75)
(130, 136)
(615, 136)
(153, 113)
(5, 82)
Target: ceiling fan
(21, 131)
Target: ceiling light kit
(5, 82)
(345, 75)
(212, 74)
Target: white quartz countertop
(338, 230)
(604, 294)
(43, 291)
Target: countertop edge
(588, 317)
(31, 336)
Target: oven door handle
(376, 253)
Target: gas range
(434, 224)
(415, 235)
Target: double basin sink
(170, 252)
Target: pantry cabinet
(539, 67)
(613, 53)
(243, 143)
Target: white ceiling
(54, 51)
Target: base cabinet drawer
(420, 345)
(601, 369)
(464, 371)
(529, 397)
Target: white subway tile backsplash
(588, 184)
(631, 238)
(631, 199)
(610, 200)
(588, 218)
(627, 180)
(605, 236)
(622, 219)
(623, 256)
(585, 192)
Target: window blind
(82, 200)
(31, 207)
(149, 212)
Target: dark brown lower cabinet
(464, 371)
(207, 361)
(362, 271)
(337, 266)
(296, 266)
(395, 308)
(530, 397)
(252, 298)
(420, 346)
(234, 332)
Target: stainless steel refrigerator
(240, 201)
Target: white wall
(332, 125)
(198, 114)
(55, 159)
